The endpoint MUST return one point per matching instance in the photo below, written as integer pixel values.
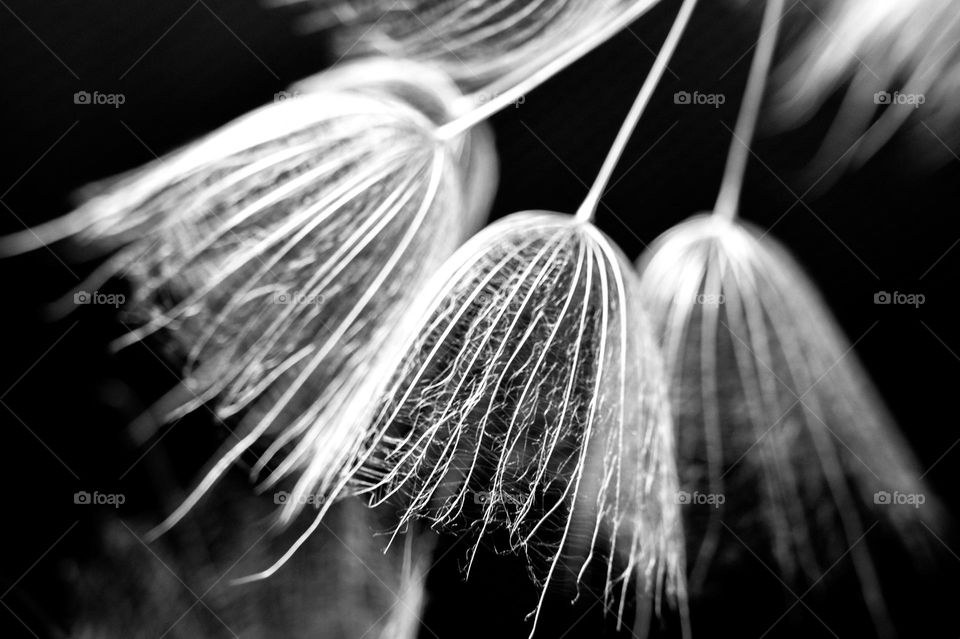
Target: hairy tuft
(530, 405)
(774, 414)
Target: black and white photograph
(454, 319)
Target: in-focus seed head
(529, 404)
(773, 411)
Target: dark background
(186, 67)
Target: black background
(186, 67)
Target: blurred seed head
(892, 58)
(280, 251)
(344, 585)
(773, 411)
(473, 41)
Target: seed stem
(728, 200)
(588, 209)
(512, 87)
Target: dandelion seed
(773, 413)
(280, 250)
(531, 401)
(896, 55)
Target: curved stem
(729, 196)
(514, 86)
(588, 209)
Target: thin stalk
(729, 197)
(512, 87)
(588, 209)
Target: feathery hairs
(897, 56)
(773, 412)
(403, 208)
(280, 250)
(476, 42)
(531, 401)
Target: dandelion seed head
(772, 409)
(279, 252)
(530, 403)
